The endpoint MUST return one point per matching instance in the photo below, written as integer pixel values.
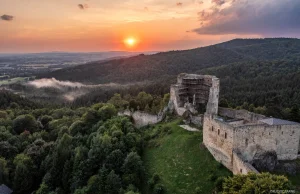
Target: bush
(198, 190)
(166, 129)
(45, 120)
(159, 189)
(213, 177)
(25, 123)
(156, 178)
(255, 183)
(219, 183)
(153, 181)
(107, 111)
(3, 114)
(77, 127)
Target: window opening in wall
(212, 128)
(218, 131)
(225, 135)
(246, 142)
(241, 170)
(282, 132)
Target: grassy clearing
(180, 160)
(13, 80)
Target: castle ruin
(195, 94)
(235, 138)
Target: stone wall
(283, 139)
(239, 166)
(141, 119)
(218, 138)
(213, 100)
(174, 98)
(221, 138)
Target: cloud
(218, 2)
(267, 18)
(83, 6)
(179, 4)
(7, 17)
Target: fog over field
(67, 89)
(42, 83)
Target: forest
(84, 150)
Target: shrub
(255, 183)
(198, 190)
(219, 183)
(25, 122)
(213, 177)
(3, 114)
(153, 181)
(159, 189)
(156, 178)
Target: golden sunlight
(130, 42)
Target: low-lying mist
(65, 89)
(45, 82)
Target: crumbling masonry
(236, 138)
(194, 94)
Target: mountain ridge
(151, 67)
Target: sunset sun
(130, 42)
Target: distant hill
(262, 72)
(265, 49)
(153, 67)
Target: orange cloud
(83, 6)
(179, 4)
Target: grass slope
(180, 160)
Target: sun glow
(130, 42)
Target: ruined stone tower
(195, 93)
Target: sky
(155, 25)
